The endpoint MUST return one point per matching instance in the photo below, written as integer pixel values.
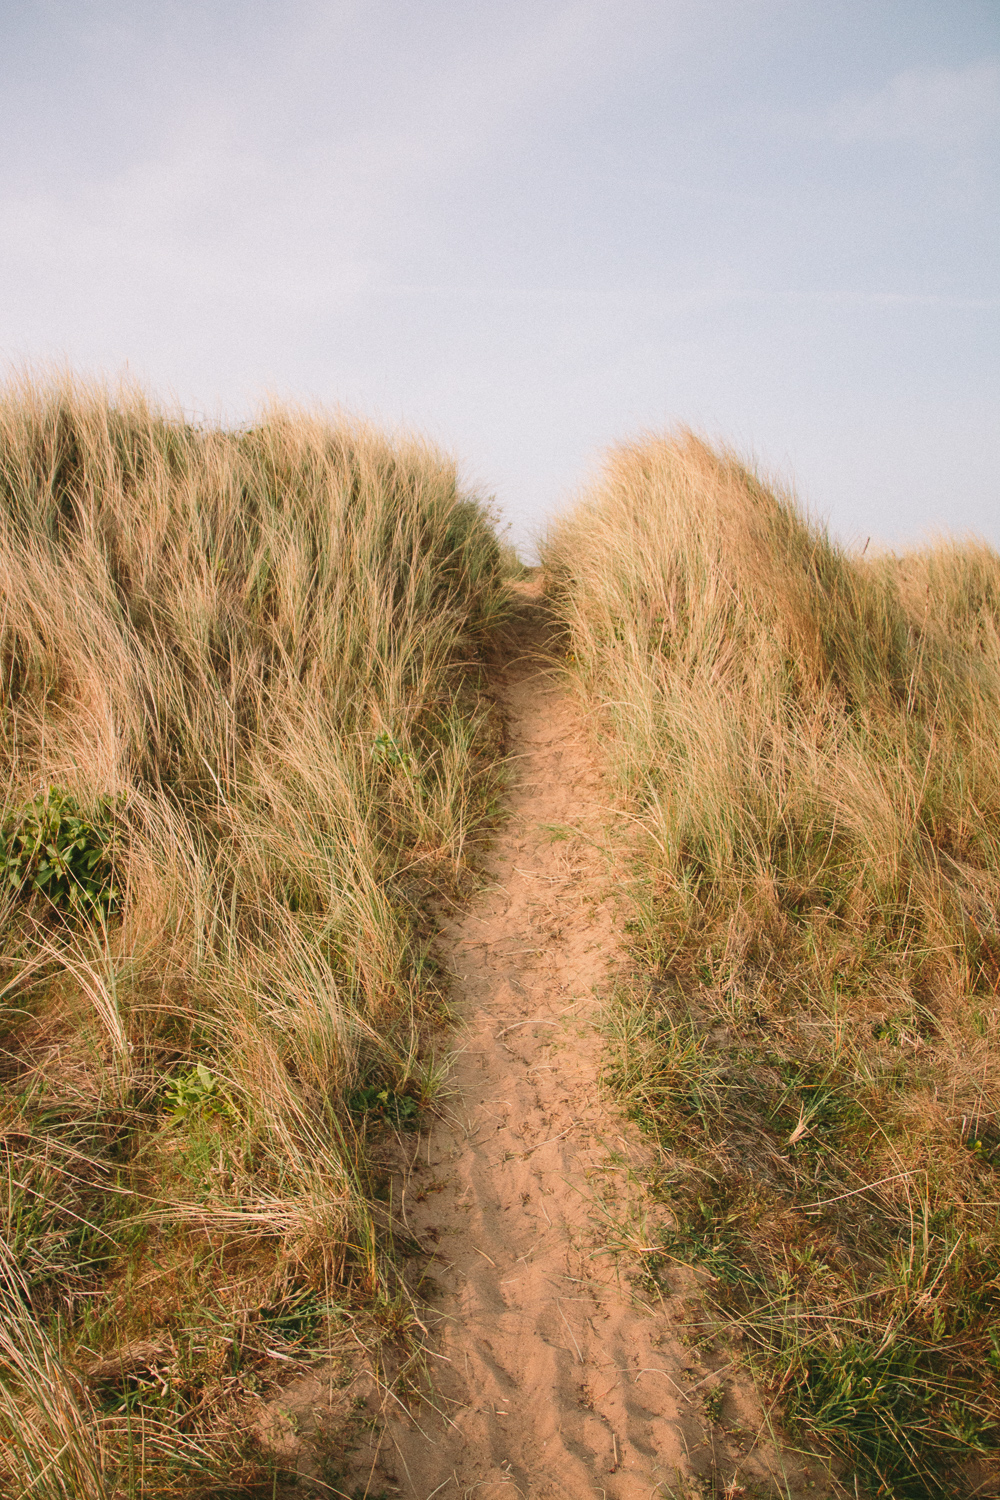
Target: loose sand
(554, 1373)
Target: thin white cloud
(926, 106)
(221, 208)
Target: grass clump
(244, 742)
(809, 745)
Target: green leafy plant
(196, 1092)
(385, 1106)
(387, 751)
(714, 1401)
(53, 847)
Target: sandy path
(551, 1376)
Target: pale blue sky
(532, 228)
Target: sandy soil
(555, 1375)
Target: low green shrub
(54, 848)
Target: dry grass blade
(51, 1436)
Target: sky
(531, 229)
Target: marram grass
(809, 742)
(240, 701)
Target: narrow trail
(553, 1377)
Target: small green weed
(384, 1106)
(195, 1092)
(387, 751)
(53, 848)
(714, 1401)
(984, 1143)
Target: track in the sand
(552, 1378)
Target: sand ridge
(554, 1375)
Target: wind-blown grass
(810, 742)
(245, 663)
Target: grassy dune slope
(242, 741)
(811, 744)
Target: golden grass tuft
(258, 649)
(810, 742)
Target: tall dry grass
(249, 660)
(810, 742)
